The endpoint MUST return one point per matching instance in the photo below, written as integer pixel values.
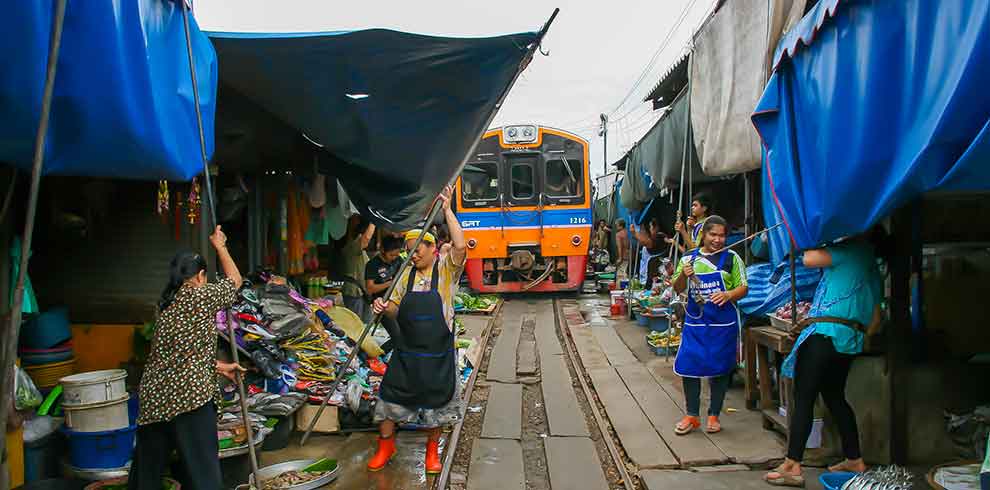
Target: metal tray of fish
(269, 472)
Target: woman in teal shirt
(847, 307)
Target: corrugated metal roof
(671, 83)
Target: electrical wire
(656, 55)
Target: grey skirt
(427, 418)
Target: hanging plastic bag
(26, 395)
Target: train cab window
(480, 183)
(523, 185)
(564, 178)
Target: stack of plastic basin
(97, 421)
(46, 348)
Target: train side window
(480, 181)
(564, 178)
(522, 181)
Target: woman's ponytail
(183, 267)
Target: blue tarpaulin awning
(871, 105)
(396, 112)
(123, 101)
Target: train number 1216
(579, 221)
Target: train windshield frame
(523, 175)
(563, 184)
(481, 184)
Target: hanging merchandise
(192, 214)
(294, 233)
(162, 205)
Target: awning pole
(430, 218)
(674, 249)
(238, 377)
(17, 310)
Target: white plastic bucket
(616, 295)
(97, 417)
(94, 387)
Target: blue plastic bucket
(46, 330)
(659, 323)
(642, 320)
(834, 481)
(100, 450)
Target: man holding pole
(421, 386)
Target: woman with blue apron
(715, 279)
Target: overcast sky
(597, 49)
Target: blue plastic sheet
(770, 287)
(397, 112)
(123, 101)
(872, 104)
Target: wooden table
(759, 386)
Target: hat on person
(427, 237)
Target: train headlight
(519, 134)
(471, 243)
(576, 240)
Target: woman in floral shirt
(179, 386)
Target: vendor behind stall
(421, 386)
(701, 208)
(353, 262)
(715, 280)
(179, 390)
(379, 274)
(656, 246)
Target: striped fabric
(770, 287)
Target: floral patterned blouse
(181, 373)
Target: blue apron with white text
(711, 332)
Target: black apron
(422, 372)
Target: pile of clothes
(296, 346)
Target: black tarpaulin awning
(396, 112)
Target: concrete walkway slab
(496, 464)
(573, 463)
(545, 330)
(645, 448)
(503, 414)
(564, 414)
(731, 480)
(589, 350)
(526, 360)
(502, 364)
(692, 450)
(615, 350)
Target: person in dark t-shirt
(378, 276)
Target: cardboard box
(329, 422)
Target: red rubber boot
(386, 448)
(433, 464)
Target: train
(524, 202)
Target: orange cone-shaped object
(433, 465)
(386, 448)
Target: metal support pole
(434, 211)
(238, 377)
(13, 329)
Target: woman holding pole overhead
(421, 385)
(715, 279)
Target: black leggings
(692, 394)
(821, 370)
(194, 435)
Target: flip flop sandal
(686, 426)
(714, 427)
(785, 479)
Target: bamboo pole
(14, 327)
